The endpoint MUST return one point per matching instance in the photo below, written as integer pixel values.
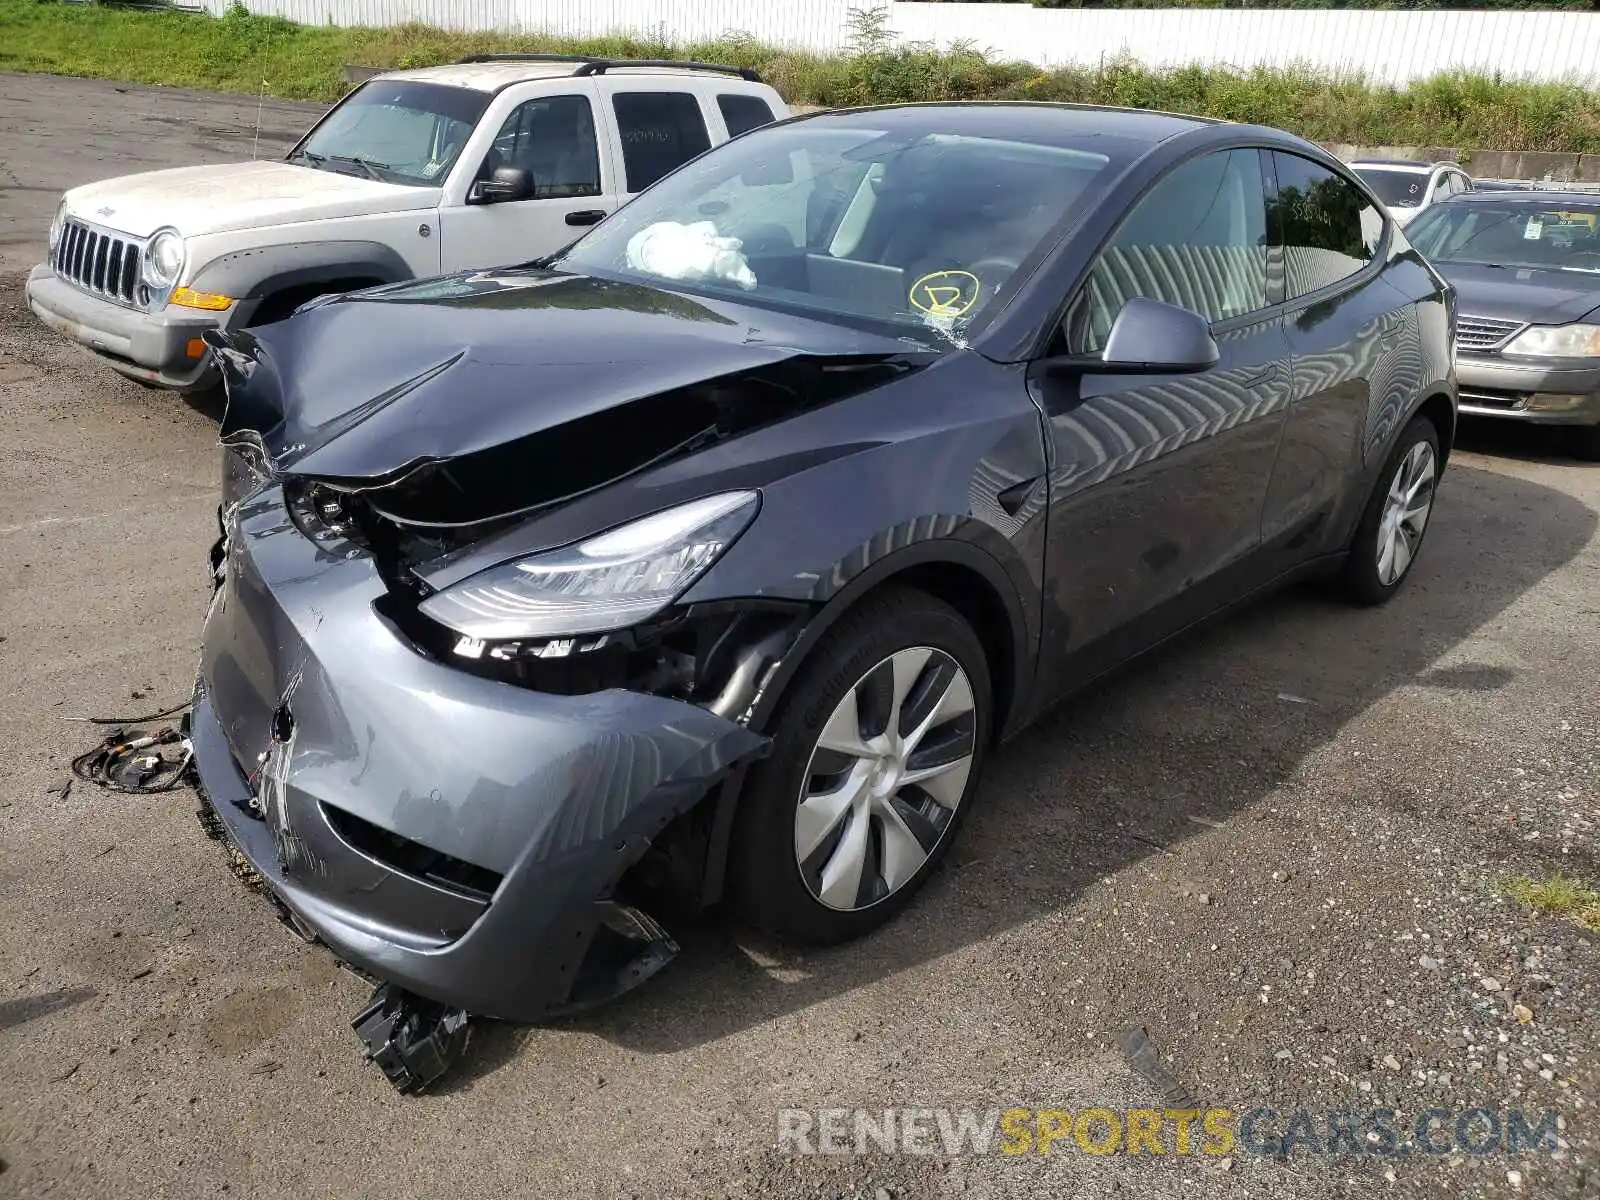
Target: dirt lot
(1277, 848)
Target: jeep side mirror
(506, 184)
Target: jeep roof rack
(588, 65)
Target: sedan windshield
(1397, 189)
(396, 132)
(908, 227)
(1511, 233)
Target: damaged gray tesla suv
(716, 553)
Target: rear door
(658, 123)
(1157, 481)
(553, 136)
(1356, 348)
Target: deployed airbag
(694, 252)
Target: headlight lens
(608, 582)
(57, 223)
(1557, 341)
(163, 260)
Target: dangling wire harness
(131, 760)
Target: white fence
(1390, 46)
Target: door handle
(586, 216)
(1260, 377)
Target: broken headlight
(611, 581)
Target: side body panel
(1156, 487)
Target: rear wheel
(1396, 517)
(877, 750)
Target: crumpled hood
(365, 389)
(1538, 297)
(230, 196)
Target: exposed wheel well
(692, 852)
(1437, 408)
(974, 597)
(278, 305)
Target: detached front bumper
(457, 836)
(152, 347)
(1539, 393)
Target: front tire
(877, 750)
(1396, 517)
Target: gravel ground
(1276, 848)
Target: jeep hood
(474, 396)
(224, 197)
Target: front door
(552, 137)
(1157, 481)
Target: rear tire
(1396, 517)
(830, 843)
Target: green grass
(1560, 894)
(241, 53)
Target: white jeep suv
(495, 159)
(1407, 187)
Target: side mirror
(506, 184)
(1157, 338)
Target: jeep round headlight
(57, 223)
(163, 260)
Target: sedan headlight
(1557, 341)
(163, 260)
(57, 224)
(609, 582)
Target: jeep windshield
(395, 131)
(1396, 187)
(896, 217)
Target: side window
(552, 138)
(660, 132)
(1198, 239)
(743, 113)
(1328, 229)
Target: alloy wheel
(1405, 513)
(885, 778)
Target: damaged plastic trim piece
(413, 1041)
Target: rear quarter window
(743, 113)
(660, 131)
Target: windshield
(1511, 234)
(1397, 189)
(397, 132)
(908, 227)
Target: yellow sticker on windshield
(946, 293)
